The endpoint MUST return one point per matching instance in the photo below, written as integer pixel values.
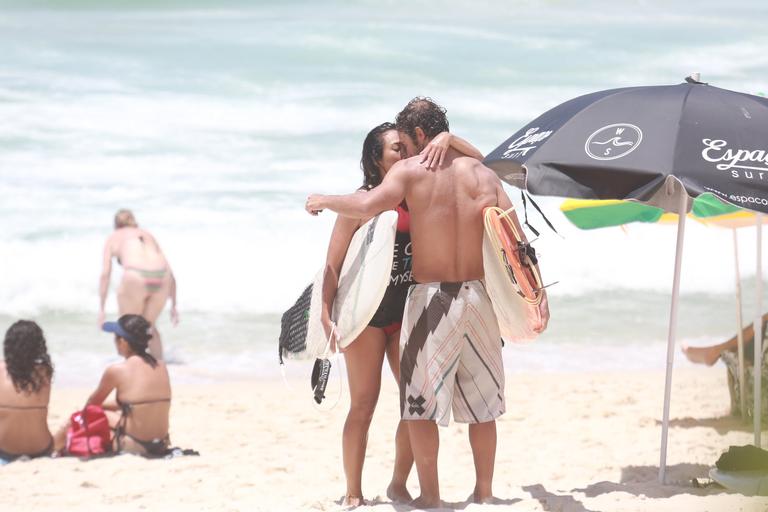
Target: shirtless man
(450, 344)
(148, 280)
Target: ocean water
(214, 120)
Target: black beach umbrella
(627, 143)
(660, 145)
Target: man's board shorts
(450, 350)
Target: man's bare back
(447, 217)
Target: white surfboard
(363, 281)
(750, 483)
(364, 276)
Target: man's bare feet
(352, 501)
(398, 493)
(422, 502)
(482, 500)
(702, 355)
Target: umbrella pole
(739, 329)
(757, 368)
(672, 332)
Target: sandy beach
(213, 121)
(568, 442)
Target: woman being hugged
(365, 355)
(148, 280)
(25, 390)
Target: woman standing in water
(147, 280)
(364, 357)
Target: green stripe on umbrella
(593, 214)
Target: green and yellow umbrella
(707, 209)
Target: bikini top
(127, 407)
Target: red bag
(89, 433)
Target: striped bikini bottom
(153, 279)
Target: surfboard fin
(546, 286)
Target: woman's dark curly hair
(26, 357)
(139, 331)
(424, 113)
(373, 149)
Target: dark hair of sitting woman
(26, 357)
(373, 149)
(140, 332)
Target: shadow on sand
(722, 425)
(552, 502)
(643, 481)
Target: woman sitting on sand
(147, 278)
(25, 389)
(139, 414)
(365, 355)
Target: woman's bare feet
(352, 501)
(702, 355)
(398, 493)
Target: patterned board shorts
(450, 350)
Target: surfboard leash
(326, 358)
(524, 195)
(285, 379)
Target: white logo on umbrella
(613, 141)
(525, 143)
(717, 150)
